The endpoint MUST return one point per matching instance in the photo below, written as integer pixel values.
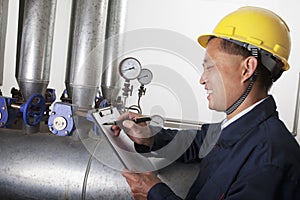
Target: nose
(203, 79)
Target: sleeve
(268, 183)
(186, 142)
(161, 191)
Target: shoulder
(275, 150)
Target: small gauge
(130, 68)
(145, 77)
(157, 120)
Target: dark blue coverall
(255, 157)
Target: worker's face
(221, 77)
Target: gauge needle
(131, 68)
(143, 76)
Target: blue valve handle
(4, 112)
(7, 114)
(33, 110)
(51, 95)
(103, 102)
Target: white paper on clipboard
(122, 145)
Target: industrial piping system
(45, 166)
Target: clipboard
(122, 146)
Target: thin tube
(296, 116)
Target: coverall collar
(239, 128)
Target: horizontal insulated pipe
(34, 48)
(43, 166)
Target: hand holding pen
(134, 126)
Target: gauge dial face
(145, 76)
(130, 68)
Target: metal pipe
(34, 46)
(43, 166)
(85, 54)
(296, 116)
(115, 26)
(3, 25)
(181, 124)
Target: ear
(249, 67)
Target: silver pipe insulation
(115, 27)
(43, 166)
(86, 47)
(3, 25)
(34, 47)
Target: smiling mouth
(209, 92)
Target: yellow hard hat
(255, 26)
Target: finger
(136, 131)
(123, 117)
(116, 130)
(129, 175)
(134, 115)
(139, 196)
(129, 124)
(132, 129)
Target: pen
(136, 120)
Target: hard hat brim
(203, 39)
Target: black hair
(264, 77)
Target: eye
(207, 66)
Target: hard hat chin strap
(235, 105)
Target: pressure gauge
(145, 77)
(157, 120)
(130, 68)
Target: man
(254, 156)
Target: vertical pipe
(3, 24)
(113, 49)
(296, 116)
(85, 54)
(35, 35)
(34, 48)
